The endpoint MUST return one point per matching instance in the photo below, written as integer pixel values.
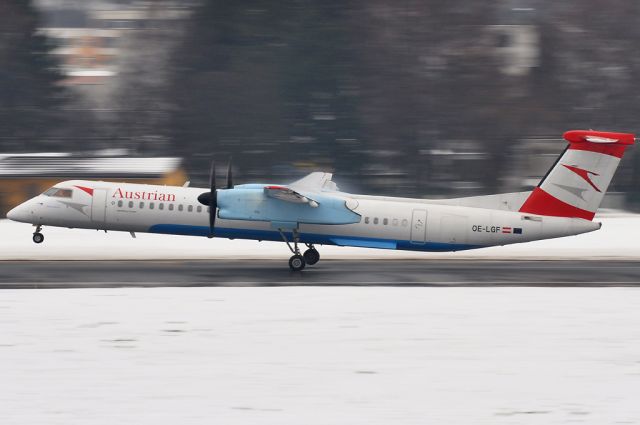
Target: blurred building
(113, 56)
(27, 175)
(89, 37)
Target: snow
(320, 356)
(617, 239)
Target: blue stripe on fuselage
(313, 238)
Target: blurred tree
(29, 95)
(432, 80)
(375, 87)
(224, 84)
(143, 104)
(271, 83)
(319, 75)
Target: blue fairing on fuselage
(313, 238)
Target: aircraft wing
(287, 194)
(315, 182)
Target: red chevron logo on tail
(584, 174)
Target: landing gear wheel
(311, 256)
(38, 237)
(296, 263)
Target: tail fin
(577, 182)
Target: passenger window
(170, 207)
(141, 205)
(375, 220)
(405, 222)
(366, 220)
(151, 205)
(180, 207)
(160, 206)
(199, 209)
(119, 203)
(385, 221)
(395, 222)
(130, 204)
(190, 209)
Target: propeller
(211, 198)
(229, 174)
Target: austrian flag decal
(514, 230)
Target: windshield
(59, 193)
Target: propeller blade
(206, 198)
(211, 199)
(212, 176)
(230, 174)
(212, 212)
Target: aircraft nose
(18, 213)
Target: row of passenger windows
(385, 221)
(170, 207)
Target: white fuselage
(390, 223)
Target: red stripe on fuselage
(542, 203)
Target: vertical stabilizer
(576, 184)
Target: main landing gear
(37, 236)
(298, 261)
(311, 255)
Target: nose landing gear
(37, 236)
(298, 261)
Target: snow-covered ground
(618, 238)
(320, 356)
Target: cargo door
(453, 229)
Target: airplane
(312, 211)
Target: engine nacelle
(253, 204)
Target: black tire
(296, 263)
(311, 256)
(38, 237)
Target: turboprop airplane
(312, 211)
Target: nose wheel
(298, 261)
(37, 236)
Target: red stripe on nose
(86, 189)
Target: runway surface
(97, 274)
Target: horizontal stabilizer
(600, 137)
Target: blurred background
(427, 98)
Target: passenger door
(99, 206)
(419, 227)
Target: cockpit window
(59, 193)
